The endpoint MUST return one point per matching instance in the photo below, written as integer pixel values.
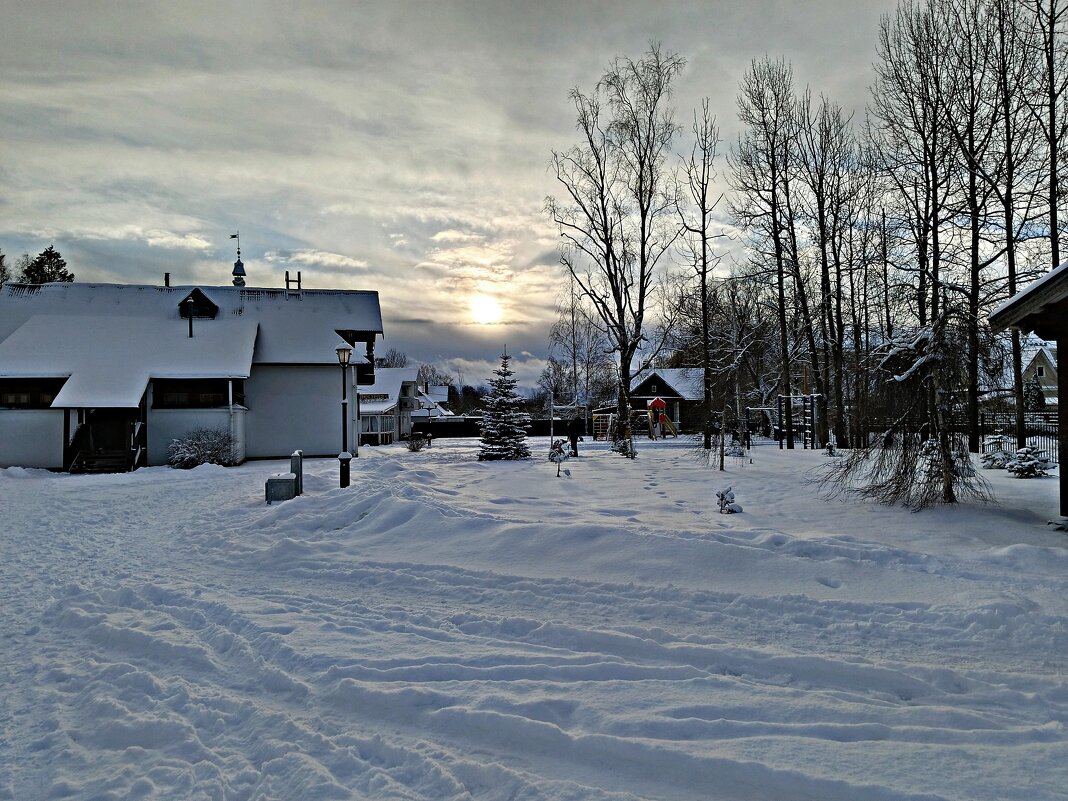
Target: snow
(110, 359)
(295, 326)
(453, 629)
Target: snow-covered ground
(449, 629)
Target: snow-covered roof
(686, 381)
(295, 326)
(110, 359)
(384, 394)
(1031, 299)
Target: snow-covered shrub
(625, 447)
(416, 443)
(735, 449)
(201, 446)
(995, 457)
(727, 505)
(1029, 462)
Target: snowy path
(446, 629)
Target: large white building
(114, 372)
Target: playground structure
(658, 421)
(806, 417)
(604, 422)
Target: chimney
(166, 279)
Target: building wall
(1048, 381)
(31, 438)
(165, 425)
(294, 407)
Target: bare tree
(760, 162)
(578, 339)
(698, 173)
(1048, 101)
(393, 358)
(616, 216)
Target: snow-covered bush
(625, 447)
(1029, 462)
(727, 505)
(416, 443)
(201, 446)
(995, 457)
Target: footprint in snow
(834, 584)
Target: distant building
(389, 406)
(682, 388)
(116, 371)
(1040, 361)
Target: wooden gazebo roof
(1041, 307)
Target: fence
(1040, 428)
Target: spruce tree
(1034, 398)
(504, 422)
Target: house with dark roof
(681, 388)
(110, 374)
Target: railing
(1040, 428)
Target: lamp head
(343, 354)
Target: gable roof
(687, 382)
(295, 326)
(109, 360)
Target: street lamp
(343, 354)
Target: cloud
(453, 235)
(317, 260)
(371, 147)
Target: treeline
(874, 246)
(46, 267)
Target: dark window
(197, 304)
(1040, 371)
(29, 393)
(194, 393)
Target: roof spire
(239, 266)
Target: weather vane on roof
(239, 267)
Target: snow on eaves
(110, 359)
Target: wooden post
(1062, 423)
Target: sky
(393, 146)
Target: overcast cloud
(400, 147)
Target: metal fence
(1040, 428)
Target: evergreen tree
(5, 274)
(1034, 399)
(504, 422)
(49, 266)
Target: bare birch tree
(616, 216)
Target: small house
(109, 374)
(682, 389)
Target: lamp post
(343, 354)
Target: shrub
(201, 446)
(416, 442)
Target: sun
(485, 310)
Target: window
(29, 393)
(195, 393)
(1040, 371)
(652, 388)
